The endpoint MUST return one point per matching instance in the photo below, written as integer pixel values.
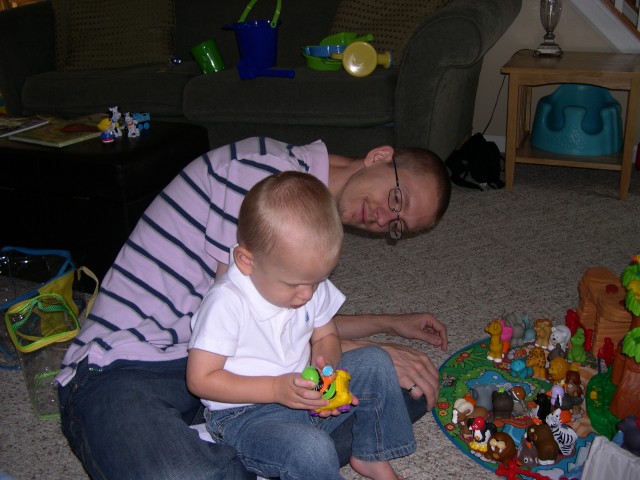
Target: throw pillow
(96, 34)
(392, 22)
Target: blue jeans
(275, 441)
(132, 421)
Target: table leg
(512, 130)
(629, 136)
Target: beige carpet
(494, 252)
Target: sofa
(425, 99)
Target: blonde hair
(286, 202)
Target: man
(125, 406)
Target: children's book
(60, 133)
(10, 125)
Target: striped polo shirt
(144, 307)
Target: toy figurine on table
(334, 385)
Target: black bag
(477, 164)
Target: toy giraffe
(494, 329)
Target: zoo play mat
(469, 368)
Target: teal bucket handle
(276, 15)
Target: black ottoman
(87, 197)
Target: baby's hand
(293, 391)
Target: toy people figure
(270, 315)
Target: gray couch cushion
(311, 98)
(153, 88)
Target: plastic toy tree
(626, 399)
(631, 281)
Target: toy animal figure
(132, 126)
(576, 351)
(630, 428)
(558, 368)
(494, 329)
(537, 360)
(557, 395)
(501, 448)
(482, 395)
(519, 369)
(560, 335)
(520, 407)
(565, 436)
(542, 326)
(462, 410)
(481, 432)
(559, 345)
(541, 437)
(502, 403)
(505, 336)
(544, 405)
(517, 326)
(114, 118)
(529, 332)
(527, 453)
(573, 389)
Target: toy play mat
(469, 367)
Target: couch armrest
(438, 77)
(26, 47)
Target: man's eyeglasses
(395, 205)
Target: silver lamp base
(548, 49)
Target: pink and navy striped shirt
(145, 304)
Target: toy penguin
(501, 448)
(481, 432)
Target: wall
(573, 33)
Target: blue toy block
(576, 119)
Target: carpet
(470, 369)
(493, 252)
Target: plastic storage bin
(578, 119)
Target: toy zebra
(565, 436)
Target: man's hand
(415, 368)
(420, 326)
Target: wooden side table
(614, 71)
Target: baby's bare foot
(374, 470)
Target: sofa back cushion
(97, 34)
(391, 22)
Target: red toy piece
(511, 472)
(606, 351)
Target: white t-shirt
(258, 337)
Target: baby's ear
(244, 260)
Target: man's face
(364, 201)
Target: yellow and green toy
(631, 281)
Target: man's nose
(384, 215)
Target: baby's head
(289, 236)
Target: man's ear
(244, 260)
(378, 154)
